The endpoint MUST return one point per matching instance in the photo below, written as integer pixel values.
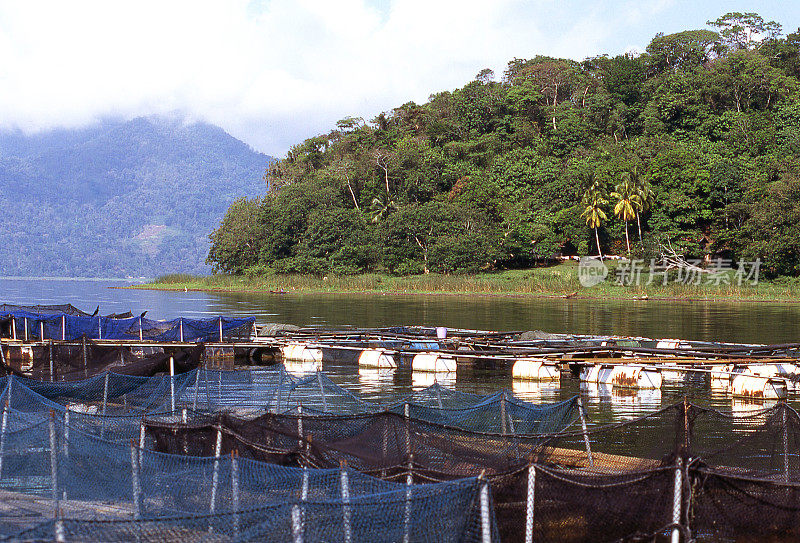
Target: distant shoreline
(558, 282)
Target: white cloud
(271, 73)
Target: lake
(748, 322)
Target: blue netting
(72, 327)
(98, 490)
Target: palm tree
(628, 204)
(379, 208)
(593, 212)
(647, 199)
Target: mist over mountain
(119, 198)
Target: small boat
(279, 291)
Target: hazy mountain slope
(119, 198)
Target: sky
(275, 72)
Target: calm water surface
(721, 321)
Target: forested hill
(135, 198)
(695, 142)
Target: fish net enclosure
(58, 483)
(568, 486)
(76, 361)
(20, 323)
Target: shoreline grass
(555, 282)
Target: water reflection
(424, 379)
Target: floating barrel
(672, 344)
(748, 385)
(622, 376)
(671, 371)
(535, 369)
(377, 358)
(301, 352)
(433, 362)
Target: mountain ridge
(120, 197)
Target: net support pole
(137, 488)
(529, 504)
(407, 510)
(677, 501)
(407, 429)
(41, 330)
(503, 426)
(13, 328)
(785, 444)
(215, 475)
(63, 328)
(99, 327)
(141, 332)
(582, 414)
(66, 432)
(83, 346)
(235, 491)
(220, 329)
(172, 383)
(322, 391)
(25, 327)
(3, 430)
(486, 526)
(180, 328)
(297, 525)
(299, 426)
(105, 403)
(52, 365)
(196, 389)
(141, 439)
(54, 462)
(347, 528)
(3, 355)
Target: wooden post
(63, 328)
(582, 414)
(677, 501)
(486, 526)
(348, 530)
(215, 475)
(235, 490)
(529, 503)
(220, 329)
(137, 489)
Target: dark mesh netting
(70, 362)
